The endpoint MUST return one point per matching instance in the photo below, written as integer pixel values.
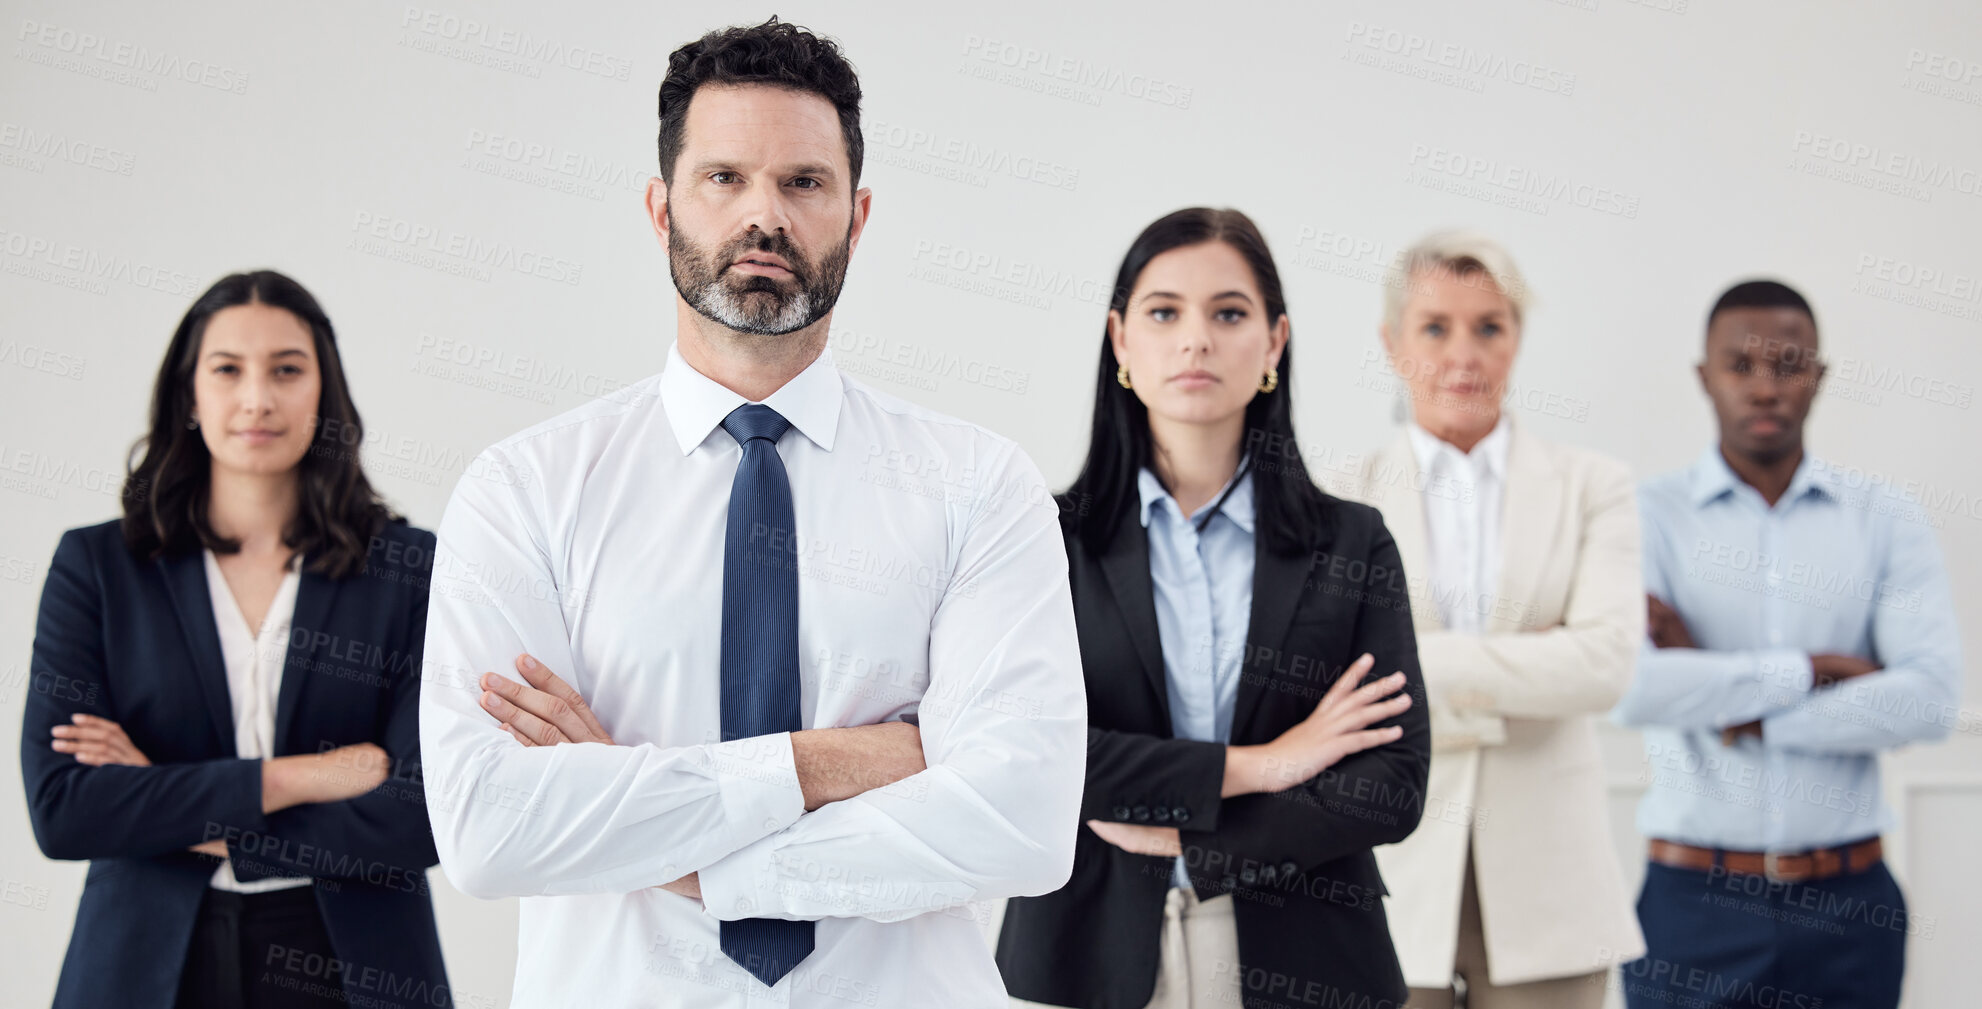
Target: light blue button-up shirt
(1838, 565)
(1203, 587)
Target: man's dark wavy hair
(773, 53)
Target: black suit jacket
(1306, 894)
(135, 641)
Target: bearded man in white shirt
(750, 680)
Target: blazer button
(1228, 881)
(1288, 869)
(1162, 814)
(1180, 814)
(1121, 812)
(1248, 876)
(1141, 814)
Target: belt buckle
(1769, 867)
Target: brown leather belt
(1782, 867)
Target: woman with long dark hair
(1240, 768)
(223, 714)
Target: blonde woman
(1525, 592)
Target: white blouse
(1462, 498)
(254, 680)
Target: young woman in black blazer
(1228, 610)
(223, 709)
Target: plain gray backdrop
(461, 187)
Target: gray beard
(732, 310)
(699, 277)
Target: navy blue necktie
(760, 645)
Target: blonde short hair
(1465, 253)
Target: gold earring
(1122, 377)
(1272, 380)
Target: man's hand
(544, 713)
(1827, 670)
(96, 741)
(550, 711)
(1733, 733)
(1138, 838)
(831, 764)
(1830, 670)
(1664, 625)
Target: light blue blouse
(1203, 587)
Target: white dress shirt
(1462, 496)
(932, 586)
(254, 680)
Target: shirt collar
(696, 404)
(1713, 477)
(1239, 507)
(1491, 452)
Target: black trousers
(260, 951)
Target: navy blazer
(134, 641)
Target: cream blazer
(1515, 765)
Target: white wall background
(146, 149)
